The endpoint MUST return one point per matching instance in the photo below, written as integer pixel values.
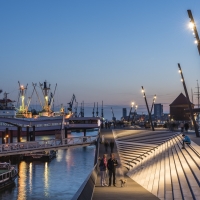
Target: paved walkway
(132, 191)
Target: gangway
(42, 145)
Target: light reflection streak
(30, 176)
(46, 179)
(22, 181)
(59, 156)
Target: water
(58, 179)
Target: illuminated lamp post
(154, 99)
(148, 109)
(130, 111)
(136, 106)
(189, 103)
(193, 27)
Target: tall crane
(48, 101)
(75, 110)
(102, 110)
(97, 112)
(71, 103)
(22, 93)
(93, 110)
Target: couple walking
(111, 165)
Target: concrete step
(182, 180)
(176, 190)
(193, 184)
(168, 183)
(161, 181)
(190, 161)
(191, 152)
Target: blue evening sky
(99, 50)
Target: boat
(8, 174)
(7, 109)
(42, 156)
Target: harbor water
(58, 179)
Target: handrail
(87, 188)
(45, 144)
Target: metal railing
(45, 144)
(87, 188)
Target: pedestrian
(182, 127)
(103, 168)
(186, 126)
(186, 140)
(112, 164)
(112, 145)
(106, 144)
(106, 124)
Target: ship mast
(22, 93)
(45, 91)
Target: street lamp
(188, 100)
(154, 99)
(193, 27)
(147, 109)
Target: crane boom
(52, 97)
(34, 85)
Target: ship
(8, 174)
(7, 108)
(41, 156)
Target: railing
(45, 144)
(7, 175)
(87, 188)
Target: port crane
(48, 100)
(102, 110)
(75, 110)
(97, 112)
(93, 110)
(71, 103)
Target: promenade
(132, 191)
(154, 164)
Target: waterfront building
(124, 112)
(178, 107)
(158, 110)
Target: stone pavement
(132, 191)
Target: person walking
(112, 164)
(186, 126)
(182, 127)
(103, 167)
(112, 145)
(106, 144)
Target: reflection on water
(58, 179)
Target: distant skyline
(99, 50)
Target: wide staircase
(158, 163)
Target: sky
(99, 50)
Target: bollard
(66, 133)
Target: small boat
(42, 156)
(8, 174)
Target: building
(178, 107)
(124, 112)
(158, 110)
